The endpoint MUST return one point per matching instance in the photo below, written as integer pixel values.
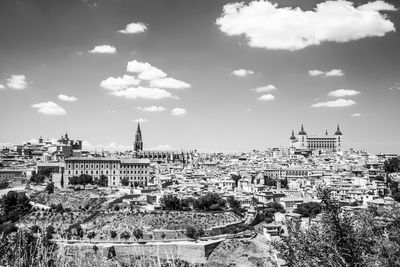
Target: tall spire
(292, 137)
(138, 142)
(326, 132)
(338, 132)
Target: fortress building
(321, 142)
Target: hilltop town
(186, 207)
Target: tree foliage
(172, 202)
(342, 239)
(102, 181)
(125, 181)
(38, 178)
(209, 202)
(50, 188)
(14, 206)
(392, 165)
(309, 209)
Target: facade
(323, 142)
(66, 146)
(135, 170)
(160, 156)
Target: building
(159, 156)
(66, 146)
(322, 142)
(135, 170)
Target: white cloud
(335, 73)
(137, 66)
(161, 148)
(263, 89)
(266, 25)
(395, 87)
(140, 120)
(242, 72)
(152, 74)
(343, 92)
(103, 49)
(356, 115)
(49, 108)
(169, 83)
(178, 111)
(266, 97)
(134, 28)
(152, 109)
(145, 70)
(1, 86)
(142, 92)
(110, 147)
(17, 82)
(331, 73)
(335, 104)
(67, 98)
(119, 83)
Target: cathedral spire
(138, 142)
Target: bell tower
(138, 142)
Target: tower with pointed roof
(302, 137)
(138, 142)
(339, 138)
(292, 139)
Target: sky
(208, 75)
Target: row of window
(107, 166)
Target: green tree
(14, 206)
(211, 201)
(125, 181)
(392, 165)
(38, 178)
(125, 235)
(309, 209)
(113, 234)
(50, 188)
(138, 233)
(91, 235)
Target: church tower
(339, 139)
(138, 143)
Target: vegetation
(235, 206)
(209, 202)
(309, 209)
(171, 202)
(38, 178)
(343, 239)
(50, 188)
(267, 214)
(125, 235)
(392, 165)
(14, 206)
(125, 181)
(83, 179)
(138, 233)
(102, 181)
(3, 184)
(194, 233)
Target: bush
(113, 234)
(125, 235)
(211, 201)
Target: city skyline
(96, 68)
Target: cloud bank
(266, 25)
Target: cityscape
(249, 152)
